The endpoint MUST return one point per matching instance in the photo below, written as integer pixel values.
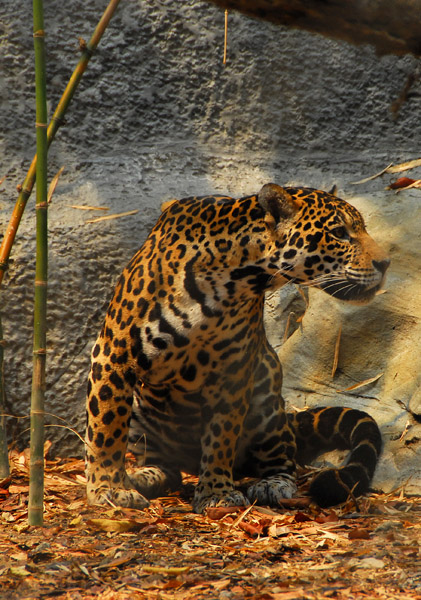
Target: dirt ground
(364, 549)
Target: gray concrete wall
(158, 116)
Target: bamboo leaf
(225, 38)
(53, 184)
(114, 216)
(382, 172)
(362, 383)
(406, 166)
(336, 354)
(79, 207)
(285, 336)
(391, 168)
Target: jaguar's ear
(277, 203)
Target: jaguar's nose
(381, 265)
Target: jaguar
(182, 372)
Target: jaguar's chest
(189, 348)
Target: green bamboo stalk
(36, 466)
(56, 121)
(4, 457)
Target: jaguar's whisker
(331, 279)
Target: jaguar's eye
(340, 233)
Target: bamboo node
(88, 52)
(59, 120)
(42, 125)
(82, 44)
(41, 282)
(40, 352)
(41, 205)
(39, 33)
(84, 48)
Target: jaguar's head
(322, 241)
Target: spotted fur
(183, 373)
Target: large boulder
(378, 343)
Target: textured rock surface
(159, 116)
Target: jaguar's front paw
(126, 498)
(233, 498)
(272, 489)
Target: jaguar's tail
(323, 429)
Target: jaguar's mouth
(350, 291)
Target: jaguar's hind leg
(153, 481)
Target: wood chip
(114, 525)
(166, 570)
(215, 513)
(415, 184)
(295, 503)
(114, 216)
(242, 516)
(359, 533)
(323, 567)
(401, 182)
